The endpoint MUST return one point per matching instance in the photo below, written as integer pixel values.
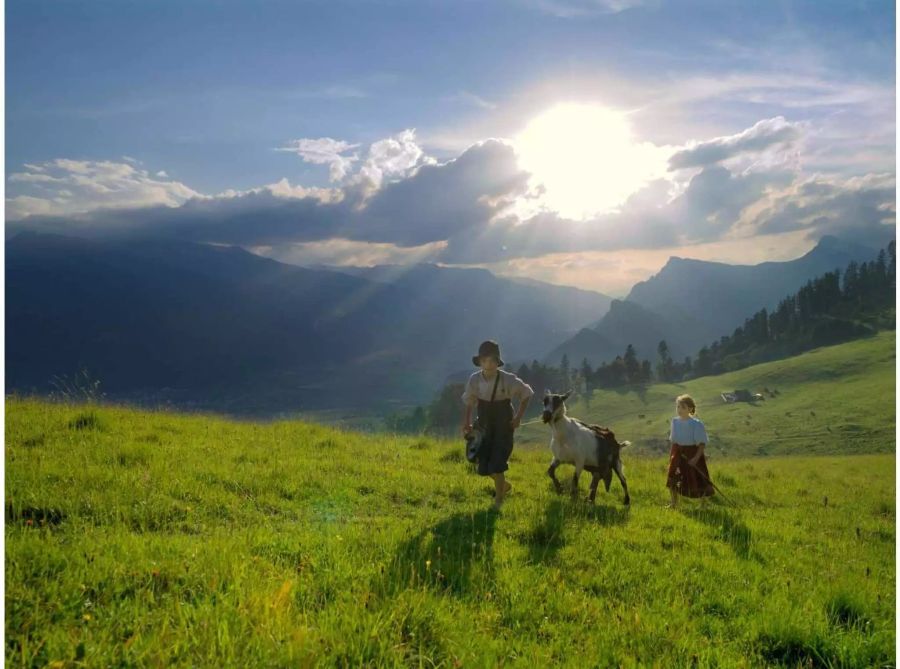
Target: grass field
(835, 399)
(138, 538)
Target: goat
(589, 447)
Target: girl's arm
(694, 460)
(701, 443)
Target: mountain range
(219, 327)
(691, 303)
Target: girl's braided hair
(687, 401)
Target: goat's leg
(620, 473)
(578, 468)
(551, 472)
(595, 481)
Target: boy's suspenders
(496, 381)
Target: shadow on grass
(454, 556)
(546, 538)
(728, 528)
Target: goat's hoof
(627, 501)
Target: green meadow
(831, 400)
(150, 538)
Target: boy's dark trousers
(495, 418)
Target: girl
(687, 473)
(491, 389)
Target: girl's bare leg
(674, 494)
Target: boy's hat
(489, 347)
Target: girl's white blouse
(688, 432)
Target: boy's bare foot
(499, 502)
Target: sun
(586, 159)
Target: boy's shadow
(455, 556)
(729, 529)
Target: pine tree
(632, 366)
(646, 371)
(587, 373)
(664, 366)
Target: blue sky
(150, 104)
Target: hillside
(834, 399)
(158, 539)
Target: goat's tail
(622, 444)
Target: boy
(491, 390)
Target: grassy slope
(835, 399)
(156, 539)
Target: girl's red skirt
(686, 479)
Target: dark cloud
(442, 201)
(435, 203)
(716, 197)
(862, 208)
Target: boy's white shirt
(509, 386)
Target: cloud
(401, 203)
(569, 9)
(325, 151)
(471, 98)
(652, 218)
(862, 208)
(390, 159)
(63, 186)
(284, 189)
(348, 252)
(430, 205)
(443, 200)
(763, 135)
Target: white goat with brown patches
(589, 447)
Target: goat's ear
(566, 396)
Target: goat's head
(554, 406)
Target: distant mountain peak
(831, 245)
